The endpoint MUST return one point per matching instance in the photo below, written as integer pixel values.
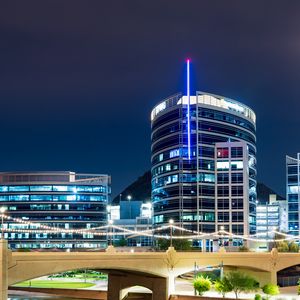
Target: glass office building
(293, 193)
(64, 200)
(204, 163)
(271, 216)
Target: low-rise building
(60, 200)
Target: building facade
(136, 216)
(271, 216)
(195, 181)
(64, 200)
(293, 193)
(233, 187)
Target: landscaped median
(63, 288)
(56, 284)
(184, 297)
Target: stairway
(138, 296)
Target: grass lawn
(54, 284)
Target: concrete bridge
(154, 270)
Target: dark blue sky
(78, 79)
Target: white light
(2, 209)
(171, 221)
(110, 222)
(129, 197)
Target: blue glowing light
(188, 107)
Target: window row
(53, 188)
(235, 203)
(175, 204)
(55, 207)
(235, 217)
(53, 198)
(225, 117)
(236, 152)
(223, 178)
(223, 191)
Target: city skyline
(77, 92)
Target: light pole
(222, 231)
(110, 222)
(196, 268)
(221, 270)
(171, 222)
(2, 210)
(129, 197)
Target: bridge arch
(129, 289)
(119, 282)
(36, 273)
(21, 268)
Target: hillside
(140, 189)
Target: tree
(270, 289)
(181, 244)
(244, 249)
(293, 247)
(121, 242)
(223, 286)
(282, 246)
(202, 284)
(241, 282)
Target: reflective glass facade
(293, 193)
(63, 200)
(187, 190)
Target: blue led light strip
(188, 107)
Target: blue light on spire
(188, 107)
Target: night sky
(78, 79)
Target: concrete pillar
(203, 245)
(113, 291)
(171, 283)
(160, 289)
(3, 269)
(273, 277)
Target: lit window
(237, 165)
(223, 165)
(19, 188)
(222, 152)
(174, 153)
(3, 188)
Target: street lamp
(196, 268)
(129, 197)
(222, 230)
(171, 222)
(110, 222)
(221, 270)
(2, 210)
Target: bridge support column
(114, 287)
(120, 282)
(3, 269)
(171, 283)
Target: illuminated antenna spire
(188, 106)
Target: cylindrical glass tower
(217, 183)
